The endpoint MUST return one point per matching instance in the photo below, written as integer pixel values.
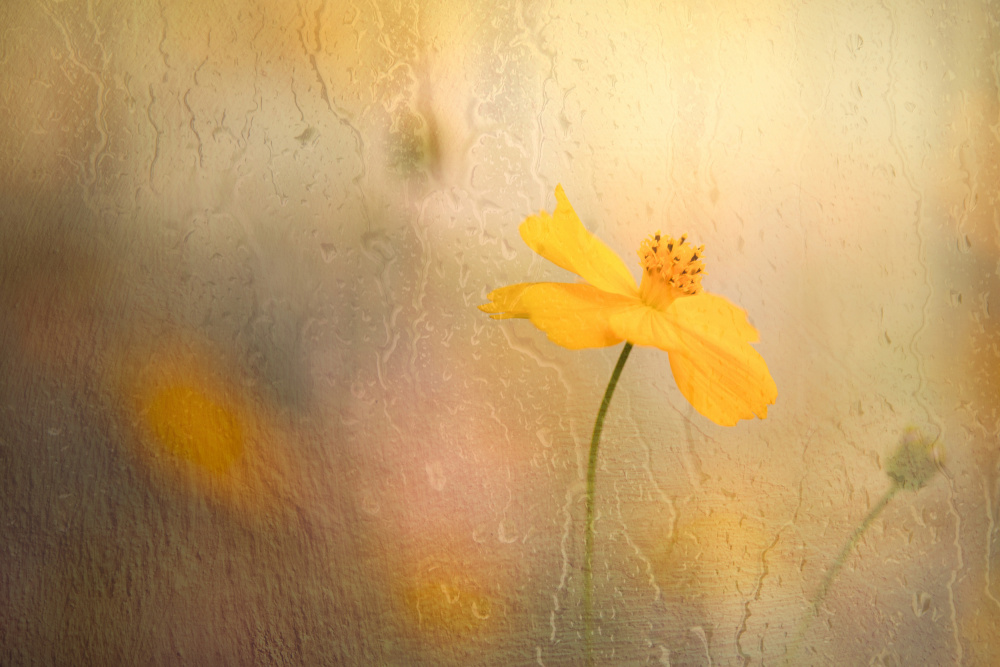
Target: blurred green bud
(915, 461)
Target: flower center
(670, 269)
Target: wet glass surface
(251, 414)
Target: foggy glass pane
(251, 414)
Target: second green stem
(824, 588)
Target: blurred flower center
(670, 268)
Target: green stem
(588, 559)
(839, 563)
(853, 540)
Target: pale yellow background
(250, 413)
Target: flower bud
(915, 461)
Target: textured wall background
(250, 414)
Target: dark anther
(670, 247)
(694, 257)
(657, 237)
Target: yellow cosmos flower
(707, 337)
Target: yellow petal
(717, 371)
(643, 325)
(563, 240)
(708, 339)
(574, 316)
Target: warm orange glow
(714, 557)
(447, 604)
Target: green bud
(915, 461)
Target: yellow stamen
(670, 269)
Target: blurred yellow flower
(706, 336)
(447, 604)
(195, 426)
(198, 428)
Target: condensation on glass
(251, 414)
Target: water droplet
(329, 251)
(435, 475)
(370, 504)
(480, 611)
(307, 136)
(503, 537)
(921, 603)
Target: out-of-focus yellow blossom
(195, 426)
(199, 429)
(444, 602)
(710, 557)
(706, 336)
(447, 606)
